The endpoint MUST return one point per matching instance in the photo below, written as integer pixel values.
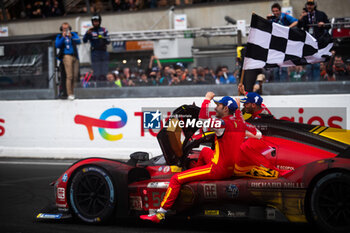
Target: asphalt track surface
(25, 190)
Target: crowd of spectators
(50, 8)
(178, 74)
(36, 9)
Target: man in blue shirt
(227, 77)
(281, 18)
(66, 42)
(99, 39)
(281, 74)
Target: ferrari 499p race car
(315, 186)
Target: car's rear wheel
(92, 194)
(330, 203)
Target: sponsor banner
(138, 45)
(4, 31)
(180, 21)
(114, 128)
(84, 27)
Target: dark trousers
(100, 60)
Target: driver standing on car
(230, 132)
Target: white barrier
(51, 128)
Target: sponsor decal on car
(282, 167)
(49, 216)
(175, 169)
(276, 185)
(232, 191)
(159, 185)
(65, 178)
(212, 212)
(166, 169)
(61, 193)
(236, 214)
(210, 191)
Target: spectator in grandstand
(132, 5)
(259, 84)
(218, 75)
(37, 11)
(296, 73)
(28, 11)
(129, 78)
(118, 5)
(229, 77)
(56, 9)
(209, 76)
(166, 76)
(152, 3)
(98, 6)
(110, 79)
(280, 73)
(7, 15)
(152, 70)
(67, 42)
(222, 76)
(324, 74)
(308, 22)
(99, 39)
(194, 76)
(145, 81)
(175, 80)
(47, 8)
(339, 69)
(181, 75)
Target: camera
(67, 31)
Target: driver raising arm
(230, 132)
(253, 104)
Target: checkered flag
(273, 45)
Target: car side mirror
(138, 156)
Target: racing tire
(330, 203)
(92, 195)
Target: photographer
(67, 42)
(99, 39)
(308, 22)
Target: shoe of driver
(156, 218)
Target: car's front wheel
(330, 203)
(92, 194)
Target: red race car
(314, 187)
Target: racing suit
(99, 39)
(263, 111)
(229, 136)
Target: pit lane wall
(75, 129)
